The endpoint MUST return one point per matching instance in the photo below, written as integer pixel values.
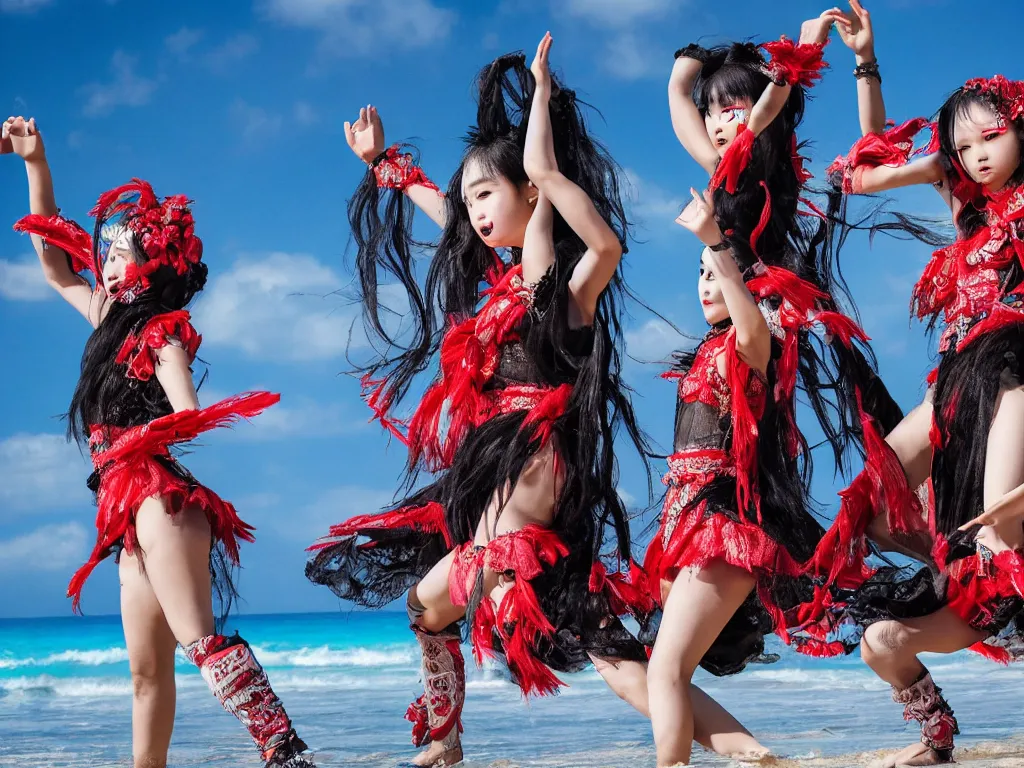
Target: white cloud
(353, 27)
(304, 113)
(50, 548)
(22, 6)
(127, 89)
(292, 417)
(651, 204)
(182, 41)
(336, 505)
(42, 471)
(23, 280)
(236, 48)
(257, 125)
(616, 13)
(653, 341)
(628, 58)
(277, 307)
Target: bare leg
(699, 605)
(176, 552)
(910, 441)
(714, 727)
(432, 616)
(1004, 467)
(150, 644)
(890, 648)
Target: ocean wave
(325, 656)
(72, 687)
(93, 658)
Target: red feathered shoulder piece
(793, 63)
(139, 351)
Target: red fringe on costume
(428, 518)
(734, 161)
(64, 234)
(140, 349)
(794, 63)
(518, 620)
(127, 463)
(977, 584)
(470, 354)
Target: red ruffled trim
(627, 592)
(519, 620)
(398, 171)
(130, 474)
(976, 587)
(428, 518)
(794, 64)
(894, 147)
(64, 234)
(140, 350)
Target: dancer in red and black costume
(973, 594)
(135, 402)
(503, 545)
(738, 553)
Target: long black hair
(104, 394)
(460, 264)
(831, 376)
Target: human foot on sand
(915, 754)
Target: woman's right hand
(365, 136)
(855, 30)
(22, 137)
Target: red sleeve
(894, 147)
(64, 234)
(139, 351)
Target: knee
(881, 640)
(665, 672)
(150, 679)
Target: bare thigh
(176, 553)
(1004, 465)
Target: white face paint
(723, 122)
(120, 253)
(987, 148)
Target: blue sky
(240, 105)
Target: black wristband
(693, 51)
(379, 159)
(868, 69)
(722, 246)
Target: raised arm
(365, 138)
(173, 371)
(788, 66)
(686, 118)
(23, 138)
(596, 268)
(753, 338)
(856, 32)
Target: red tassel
(794, 64)
(378, 395)
(734, 161)
(520, 610)
(482, 634)
(744, 430)
(417, 715)
(762, 223)
(64, 234)
(551, 406)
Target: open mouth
(113, 287)
(486, 230)
(721, 142)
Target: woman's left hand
(699, 217)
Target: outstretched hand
(540, 68)
(21, 136)
(855, 29)
(365, 136)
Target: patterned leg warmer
(241, 686)
(923, 701)
(437, 714)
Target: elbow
(609, 251)
(540, 173)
